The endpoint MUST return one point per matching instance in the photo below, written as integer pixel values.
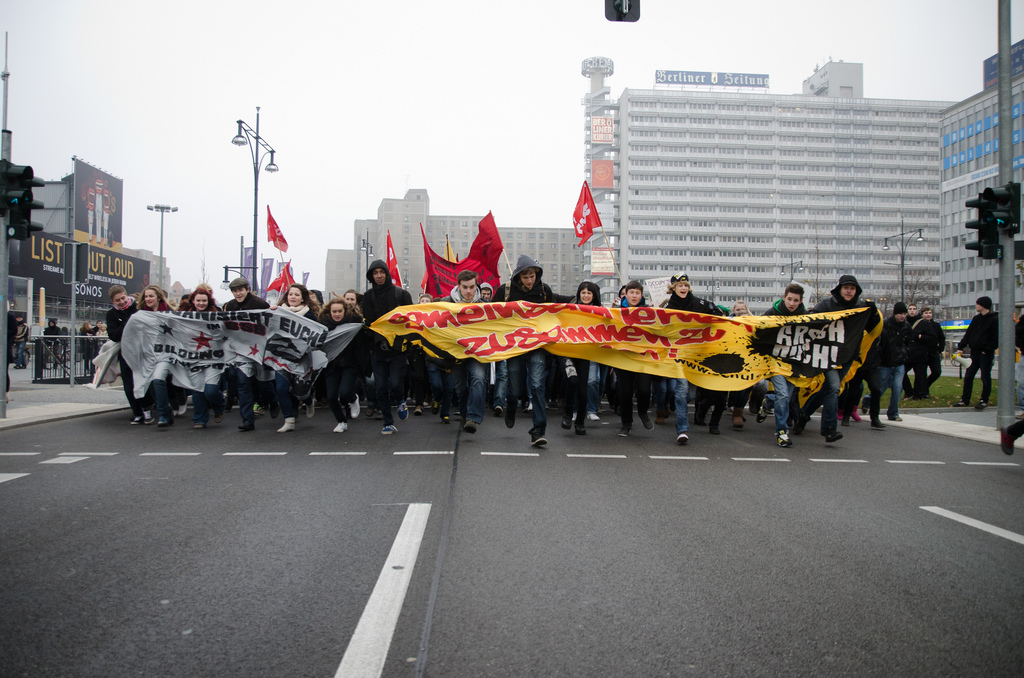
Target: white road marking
(368, 648)
(20, 454)
(991, 529)
(4, 477)
(89, 454)
(255, 454)
(596, 456)
(677, 457)
(904, 461)
(399, 454)
(988, 463)
(63, 460)
(170, 454)
(841, 461)
(337, 454)
(510, 454)
(758, 459)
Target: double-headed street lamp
(793, 267)
(904, 238)
(162, 209)
(259, 148)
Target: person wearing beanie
(893, 346)
(982, 337)
(845, 295)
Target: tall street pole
(162, 209)
(1007, 293)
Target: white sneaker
(289, 425)
(593, 417)
(353, 408)
(341, 428)
(182, 410)
(310, 409)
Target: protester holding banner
(630, 381)
(845, 295)
(202, 301)
(683, 299)
(244, 300)
(342, 371)
(388, 361)
(153, 299)
(299, 301)
(783, 398)
(577, 370)
(117, 317)
(469, 377)
(526, 285)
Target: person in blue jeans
(791, 304)
(469, 376)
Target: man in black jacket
(893, 347)
(526, 285)
(791, 304)
(245, 300)
(388, 361)
(926, 343)
(117, 318)
(982, 337)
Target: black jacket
(540, 293)
(926, 339)
(894, 342)
(381, 300)
(692, 304)
(116, 321)
(250, 303)
(982, 334)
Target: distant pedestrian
(982, 337)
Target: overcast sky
(479, 102)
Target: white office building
(744, 190)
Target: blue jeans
(681, 389)
(440, 387)
(248, 388)
(529, 365)
(783, 392)
(158, 387)
(470, 380)
(389, 379)
(827, 397)
(891, 378)
(982, 362)
(595, 384)
(19, 354)
(203, 400)
(500, 383)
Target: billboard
(602, 130)
(990, 66)
(602, 174)
(42, 258)
(98, 200)
(711, 79)
(602, 261)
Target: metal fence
(52, 359)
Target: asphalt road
(745, 559)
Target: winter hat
(985, 302)
(899, 307)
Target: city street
(130, 550)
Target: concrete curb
(32, 415)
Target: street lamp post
(259, 148)
(793, 267)
(368, 248)
(904, 238)
(162, 209)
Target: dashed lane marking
(596, 456)
(991, 529)
(840, 461)
(510, 454)
(89, 454)
(170, 454)
(20, 454)
(759, 459)
(62, 460)
(910, 461)
(337, 454)
(652, 456)
(4, 477)
(255, 454)
(424, 452)
(989, 463)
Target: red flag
(585, 219)
(283, 281)
(442, 275)
(487, 245)
(392, 263)
(274, 233)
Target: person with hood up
(526, 285)
(982, 336)
(469, 376)
(683, 299)
(791, 303)
(388, 361)
(845, 295)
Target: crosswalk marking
(63, 460)
(4, 477)
(991, 529)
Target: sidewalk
(42, 403)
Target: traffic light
(16, 183)
(622, 10)
(1006, 211)
(987, 225)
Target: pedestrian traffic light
(622, 10)
(16, 183)
(1006, 211)
(987, 244)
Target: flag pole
(611, 250)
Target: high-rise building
(744, 190)
(970, 163)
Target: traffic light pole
(1007, 293)
(5, 256)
